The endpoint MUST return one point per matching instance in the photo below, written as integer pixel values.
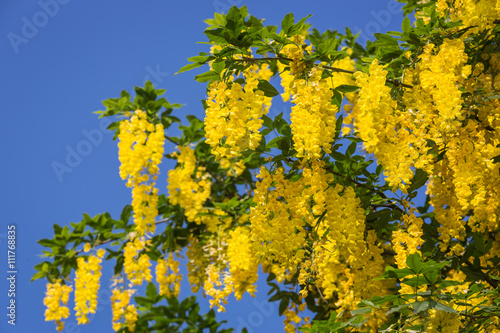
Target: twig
(171, 140)
(334, 69)
(110, 240)
(322, 297)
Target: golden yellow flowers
(234, 113)
(140, 153)
(124, 313)
(56, 299)
(87, 283)
(168, 277)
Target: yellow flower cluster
(87, 283)
(278, 219)
(56, 299)
(168, 277)
(124, 313)
(345, 264)
(243, 265)
(406, 240)
(442, 321)
(466, 179)
(292, 317)
(313, 116)
(295, 51)
(340, 78)
(140, 152)
(478, 14)
(217, 287)
(376, 118)
(234, 113)
(233, 167)
(188, 185)
(196, 265)
(341, 261)
(223, 265)
(430, 121)
(137, 267)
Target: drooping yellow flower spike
(234, 113)
(168, 276)
(140, 152)
(243, 265)
(313, 116)
(185, 191)
(56, 299)
(124, 313)
(136, 266)
(87, 283)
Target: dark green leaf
(415, 262)
(207, 76)
(267, 88)
(419, 180)
(287, 22)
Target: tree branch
(333, 69)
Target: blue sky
(59, 59)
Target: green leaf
(234, 21)
(57, 229)
(419, 180)
(287, 22)
(345, 88)
(207, 76)
(361, 311)
(219, 66)
(406, 25)
(188, 67)
(274, 142)
(439, 306)
(420, 306)
(267, 88)
(39, 275)
(415, 262)
(394, 273)
(351, 149)
(268, 122)
(151, 291)
(220, 19)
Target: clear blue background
(57, 64)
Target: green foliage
(239, 37)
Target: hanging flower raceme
(478, 15)
(87, 283)
(124, 313)
(136, 265)
(234, 113)
(56, 299)
(189, 185)
(407, 240)
(140, 152)
(197, 264)
(218, 285)
(243, 265)
(168, 277)
(292, 317)
(313, 117)
(278, 219)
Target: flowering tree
(335, 231)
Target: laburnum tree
(374, 202)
